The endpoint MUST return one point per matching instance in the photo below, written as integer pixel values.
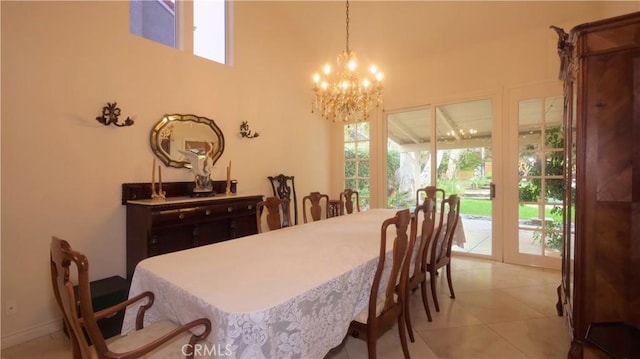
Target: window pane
(554, 163)
(529, 189)
(363, 131)
(350, 151)
(349, 169)
(554, 190)
(363, 169)
(209, 29)
(554, 137)
(154, 20)
(363, 150)
(350, 133)
(529, 164)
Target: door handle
(492, 190)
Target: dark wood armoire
(600, 67)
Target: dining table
(288, 293)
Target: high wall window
(356, 160)
(157, 20)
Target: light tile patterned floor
(501, 311)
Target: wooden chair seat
(364, 313)
(138, 338)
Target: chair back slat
(278, 213)
(350, 201)
(444, 237)
(315, 200)
(284, 187)
(400, 244)
(421, 235)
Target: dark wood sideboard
(180, 221)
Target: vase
(203, 184)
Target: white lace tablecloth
(289, 293)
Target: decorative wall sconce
(110, 114)
(246, 132)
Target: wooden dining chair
(315, 200)
(284, 187)
(383, 312)
(420, 236)
(440, 251)
(162, 338)
(438, 196)
(347, 201)
(433, 192)
(278, 213)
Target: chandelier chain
(347, 12)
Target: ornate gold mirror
(177, 133)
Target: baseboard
(30, 333)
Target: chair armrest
(170, 335)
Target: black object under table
(106, 293)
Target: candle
(228, 191)
(160, 180)
(153, 178)
(153, 172)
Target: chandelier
(340, 94)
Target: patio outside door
(460, 136)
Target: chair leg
(425, 300)
(407, 317)
(371, 342)
(453, 295)
(403, 336)
(432, 279)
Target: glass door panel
(408, 156)
(460, 136)
(465, 167)
(540, 181)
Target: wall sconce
(110, 114)
(246, 132)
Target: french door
(533, 215)
(449, 145)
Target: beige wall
(62, 170)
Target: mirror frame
(166, 119)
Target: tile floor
(501, 311)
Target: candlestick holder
(160, 194)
